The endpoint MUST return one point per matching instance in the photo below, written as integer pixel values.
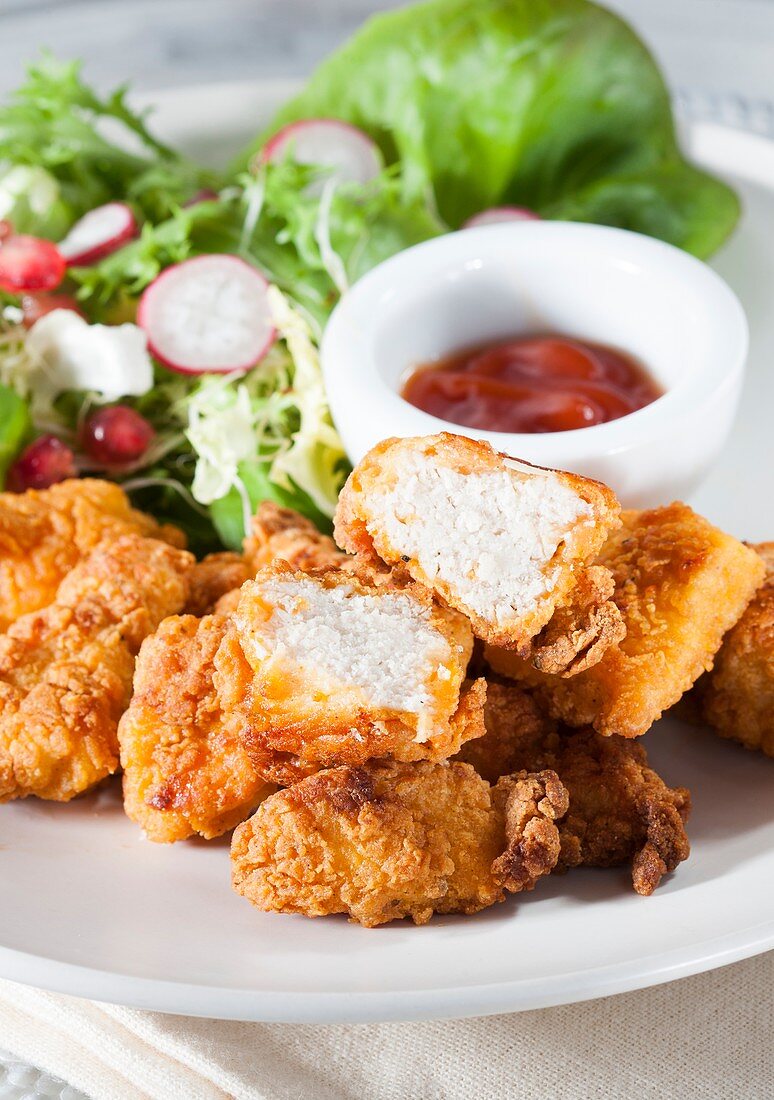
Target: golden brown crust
(280, 534)
(185, 770)
(214, 579)
(66, 671)
(357, 527)
(531, 803)
(578, 634)
(45, 533)
(680, 584)
(291, 724)
(619, 808)
(737, 697)
(382, 842)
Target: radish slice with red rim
(29, 264)
(497, 214)
(346, 151)
(208, 315)
(98, 233)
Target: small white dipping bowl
(610, 286)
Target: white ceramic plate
(90, 908)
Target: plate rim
(752, 158)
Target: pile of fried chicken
(435, 710)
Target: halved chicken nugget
(498, 539)
(333, 669)
(388, 840)
(680, 584)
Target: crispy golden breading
(388, 840)
(578, 634)
(737, 697)
(214, 579)
(498, 539)
(45, 533)
(332, 669)
(680, 585)
(185, 770)
(620, 809)
(66, 671)
(276, 534)
(280, 534)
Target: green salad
(160, 322)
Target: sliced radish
(29, 263)
(208, 315)
(497, 214)
(204, 194)
(330, 143)
(98, 233)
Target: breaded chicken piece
(389, 840)
(45, 533)
(737, 697)
(680, 584)
(332, 669)
(578, 634)
(498, 539)
(276, 534)
(185, 770)
(66, 671)
(280, 534)
(620, 810)
(214, 579)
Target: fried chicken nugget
(280, 534)
(185, 770)
(66, 671)
(276, 534)
(391, 840)
(578, 634)
(737, 697)
(680, 584)
(619, 808)
(331, 668)
(495, 538)
(45, 533)
(215, 580)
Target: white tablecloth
(702, 1038)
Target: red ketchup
(532, 384)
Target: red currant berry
(116, 435)
(35, 306)
(46, 461)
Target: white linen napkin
(704, 1037)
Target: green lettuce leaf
(15, 427)
(55, 122)
(551, 104)
(274, 223)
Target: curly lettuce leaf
(275, 224)
(551, 104)
(57, 123)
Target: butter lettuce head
(551, 104)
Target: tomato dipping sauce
(532, 384)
